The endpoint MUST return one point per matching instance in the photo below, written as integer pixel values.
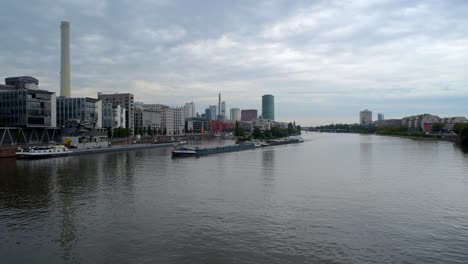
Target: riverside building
(23, 104)
(145, 119)
(83, 110)
(125, 100)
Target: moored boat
(43, 152)
(185, 152)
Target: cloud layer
(324, 60)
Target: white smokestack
(65, 60)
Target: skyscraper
(223, 110)
(235, 114)
(219, 105)
(365, 117)
(268, 107)
(380, 117)
(189, 110)
(213, 112)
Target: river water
(336, 198)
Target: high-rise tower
(268, 107)
(65, 60)
(219, 104)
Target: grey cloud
(332, 57)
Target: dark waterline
(337, 198)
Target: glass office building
(23, 105)
(84, 110)
(268, 107)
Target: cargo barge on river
(196, 152)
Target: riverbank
(120, 148)
(453, 139)
(447, 138)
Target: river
(336, 198)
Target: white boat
(43, 152)
(184, 152)
(298, 138)
(217, 134)
(258, 144)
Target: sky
(324, 61)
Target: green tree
(257, 134)
(291, 129)
(437, 128)
(463, 134)
(239, 130)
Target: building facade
(365, 117)
(107, 115)
(223, 111)
(221, 126)
(380, 117)
(189, 110)
(419, 122)
(268, 107)
(22, 104)
(249, 114)
(246, 125)
(179, 120)
(212, 112)
(167, 120)
(145, 119)
(125, 100)
(197, 125)
(83, 110)
(119, 117)
(235, 114)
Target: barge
(196, 152)
(43, 152)
(283, 141)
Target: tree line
(272, 133)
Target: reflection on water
(365, 154)
(334, 198)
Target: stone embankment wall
(7, 152)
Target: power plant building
(268, 107)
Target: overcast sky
(323, 60)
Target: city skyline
(385, 58)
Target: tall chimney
(65, 60)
